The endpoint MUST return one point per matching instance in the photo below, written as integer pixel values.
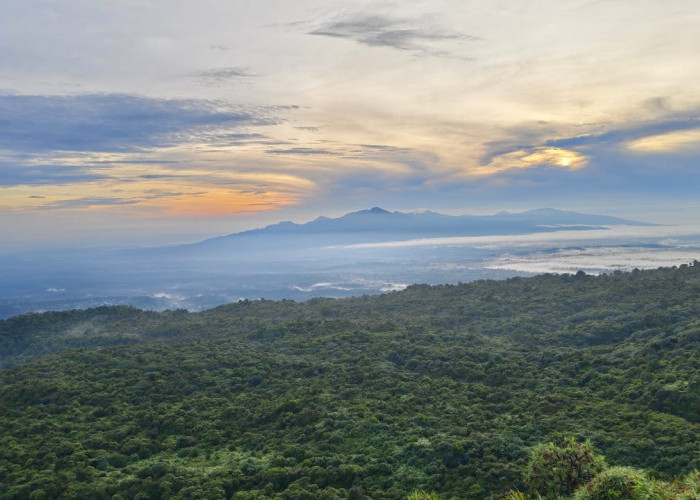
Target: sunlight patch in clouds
(538, 156)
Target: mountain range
(380, 225)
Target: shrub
(623, 483)
(555, 471)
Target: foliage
(689, 487)
(423, 495)
(443, 389)
(627, 483)
(556, 471)
(516, 495)
(605, 483)
(620, 483)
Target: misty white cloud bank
(594, 260)
(618, 248)
(658, 234)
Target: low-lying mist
(299, 266)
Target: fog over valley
(364, 252)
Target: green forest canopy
(436, 388)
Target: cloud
(245, 137)
(154, 194)
(301, 151)
(531, 145)
(15, 174)
(533, 157)
(90, 201)
(676, 141)
(671, 125)
(594, 260)
(109, 122)
(384, 31)
(612, 235)
(188, 193)
(383, 148)
(158, 176)
(220, 76)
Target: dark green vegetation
(443, 389)
(573, 470)
(555, 471)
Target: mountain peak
(370, 211)
(377, 210)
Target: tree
(555, 471)
(623, 483)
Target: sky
(148, 122)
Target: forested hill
(442, 388)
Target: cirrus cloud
(376, 30)
(676, 141)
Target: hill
(442, 388)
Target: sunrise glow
(317, 107)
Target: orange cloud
(219, 202)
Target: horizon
(366, 251)
(160, 241)
(136, 123)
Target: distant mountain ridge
(378, 224)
